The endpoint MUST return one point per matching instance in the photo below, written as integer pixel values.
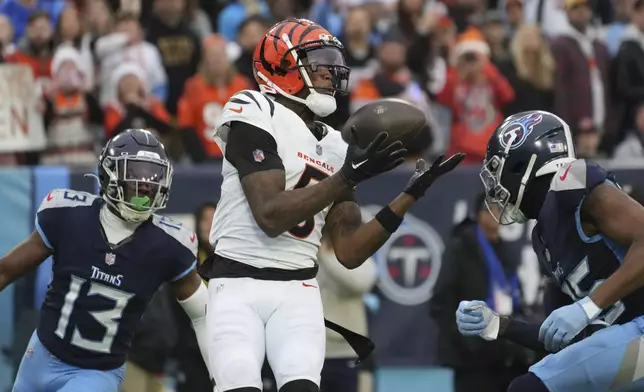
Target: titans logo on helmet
(516, 132)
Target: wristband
(590, 308)
(388, 219)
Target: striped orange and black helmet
(292, 48)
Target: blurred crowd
(102, 66)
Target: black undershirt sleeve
(251, 149)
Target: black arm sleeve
(524, 334)
(251, 149)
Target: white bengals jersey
(235, 233)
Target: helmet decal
(515, 133)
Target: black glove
(377, 158)
(424, 175)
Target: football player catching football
(287, 179)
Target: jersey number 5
(107, 318)
(310, 173)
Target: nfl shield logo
(258, 155)
(110, 258)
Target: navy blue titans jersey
(580, 263)
(98, 294)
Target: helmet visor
(142, 182)
(327, 67)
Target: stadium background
(411, 50)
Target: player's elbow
(269, 227)
(348, 257)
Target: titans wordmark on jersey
(306, 161)
(99, 292)
(578, 262)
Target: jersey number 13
(107, 318)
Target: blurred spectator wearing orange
(126, 44)
(582, 66)
(476, 93)
(35, 49)
(69, 113)
(206, 93)
(530, 70)
(133, 107)
(178, 44)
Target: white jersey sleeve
(249, 107)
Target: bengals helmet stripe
(289, 50)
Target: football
(401, 120)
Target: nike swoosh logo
(357, 165)
(565, 174)
(308, 285)
(241, 109)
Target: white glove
(476, 318)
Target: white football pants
(249, 319)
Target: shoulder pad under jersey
(576, 179)
(187, 238)
(62, 198)
(248, 106)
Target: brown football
(401, 120)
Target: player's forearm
(366, 239)
(521, 333)
(626, 279)
(290, 208)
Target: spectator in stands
(629, 70)
(251, 31)
(530, 71)
(70, 113)
(360, 56)
(476, 92)
(98, 18)
(134, 108)
(514, 15)
(587, 139)
(35, 49)
(342, 291)
(614, 32)
(198, 19)
(152, 345)
(631, 147)
(233, 14)
(475, 265)
(394, 80)
(178, 44)
(69, 32)
(126, 44)
(193, 373)
(204, 96)
(6, 37)
(581, 77)
(19, 12)
(496, 36)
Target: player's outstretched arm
(263, 181)
(192, 295)
(616, 215)
(353, 241)
(475, 318)
(27, 255)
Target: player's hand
(563, 325)
(475, 318)
(380, 156)
(425, 175)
